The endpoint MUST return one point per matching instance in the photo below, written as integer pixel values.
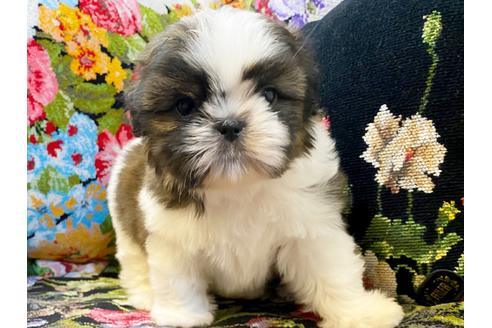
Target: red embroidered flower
(119, 16)
(72, 130)
(76, 158)
(50, 127)
(53, 148)
(120, 318)
(42, 85)
(109, 147)
(31, 164)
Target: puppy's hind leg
(325, 274)
(134, 274)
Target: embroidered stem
(410, 205)
(430, 34)
(378, 200)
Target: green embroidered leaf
(443, 246)
(382, 249)
(408, 240)
(106, 226)
(110, 121)
(53, 48)
(93, 98)
(126, 49)
(66, 78)
(60, 110)
(50, 179)
(377, 229)
(73, 180)
(151, 22)
(170, 18)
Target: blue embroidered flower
(42, 213)
(69, 153)
(86, 204)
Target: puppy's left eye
(270, 94)
(185, 106)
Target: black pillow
(403, 60)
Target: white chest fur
(244, 226)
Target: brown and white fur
(197, 214)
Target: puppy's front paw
(372, 310)
(141, 301)
(172, 317)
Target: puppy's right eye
(185, 106)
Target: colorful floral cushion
(392, 82)
(80, 53)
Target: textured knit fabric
(392, 84)
(101, 303)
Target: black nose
(230, 129)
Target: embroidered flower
(262, 7)
(116, 74)
(119, 16)
(69, 153)
(290, 10)
(299, 12)
(75, 244)
(405, 156)
(412, 156)
(87, 205)
(88, 59)
(42, 212)
(379, 275)
(378, 134)
(109, 148)
(181, 10)
(118, 318)
(42, 85)
(70, 25)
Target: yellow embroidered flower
(116, 74)
(62, 24)
(181, 10)
(77, 245)
(70, 25)
(88, 59)
(233, 3)
(449, 210)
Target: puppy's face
(223, 96)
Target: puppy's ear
(159, 46)
(305, 58)
(133, 90)
(130, 100)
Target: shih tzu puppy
(233, 179)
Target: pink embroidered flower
(109, 147)
(262, 7)
(119, 16)
(120, 318)
(42, 85)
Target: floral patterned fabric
(79, 55)
(102, 303)
(393, 87)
